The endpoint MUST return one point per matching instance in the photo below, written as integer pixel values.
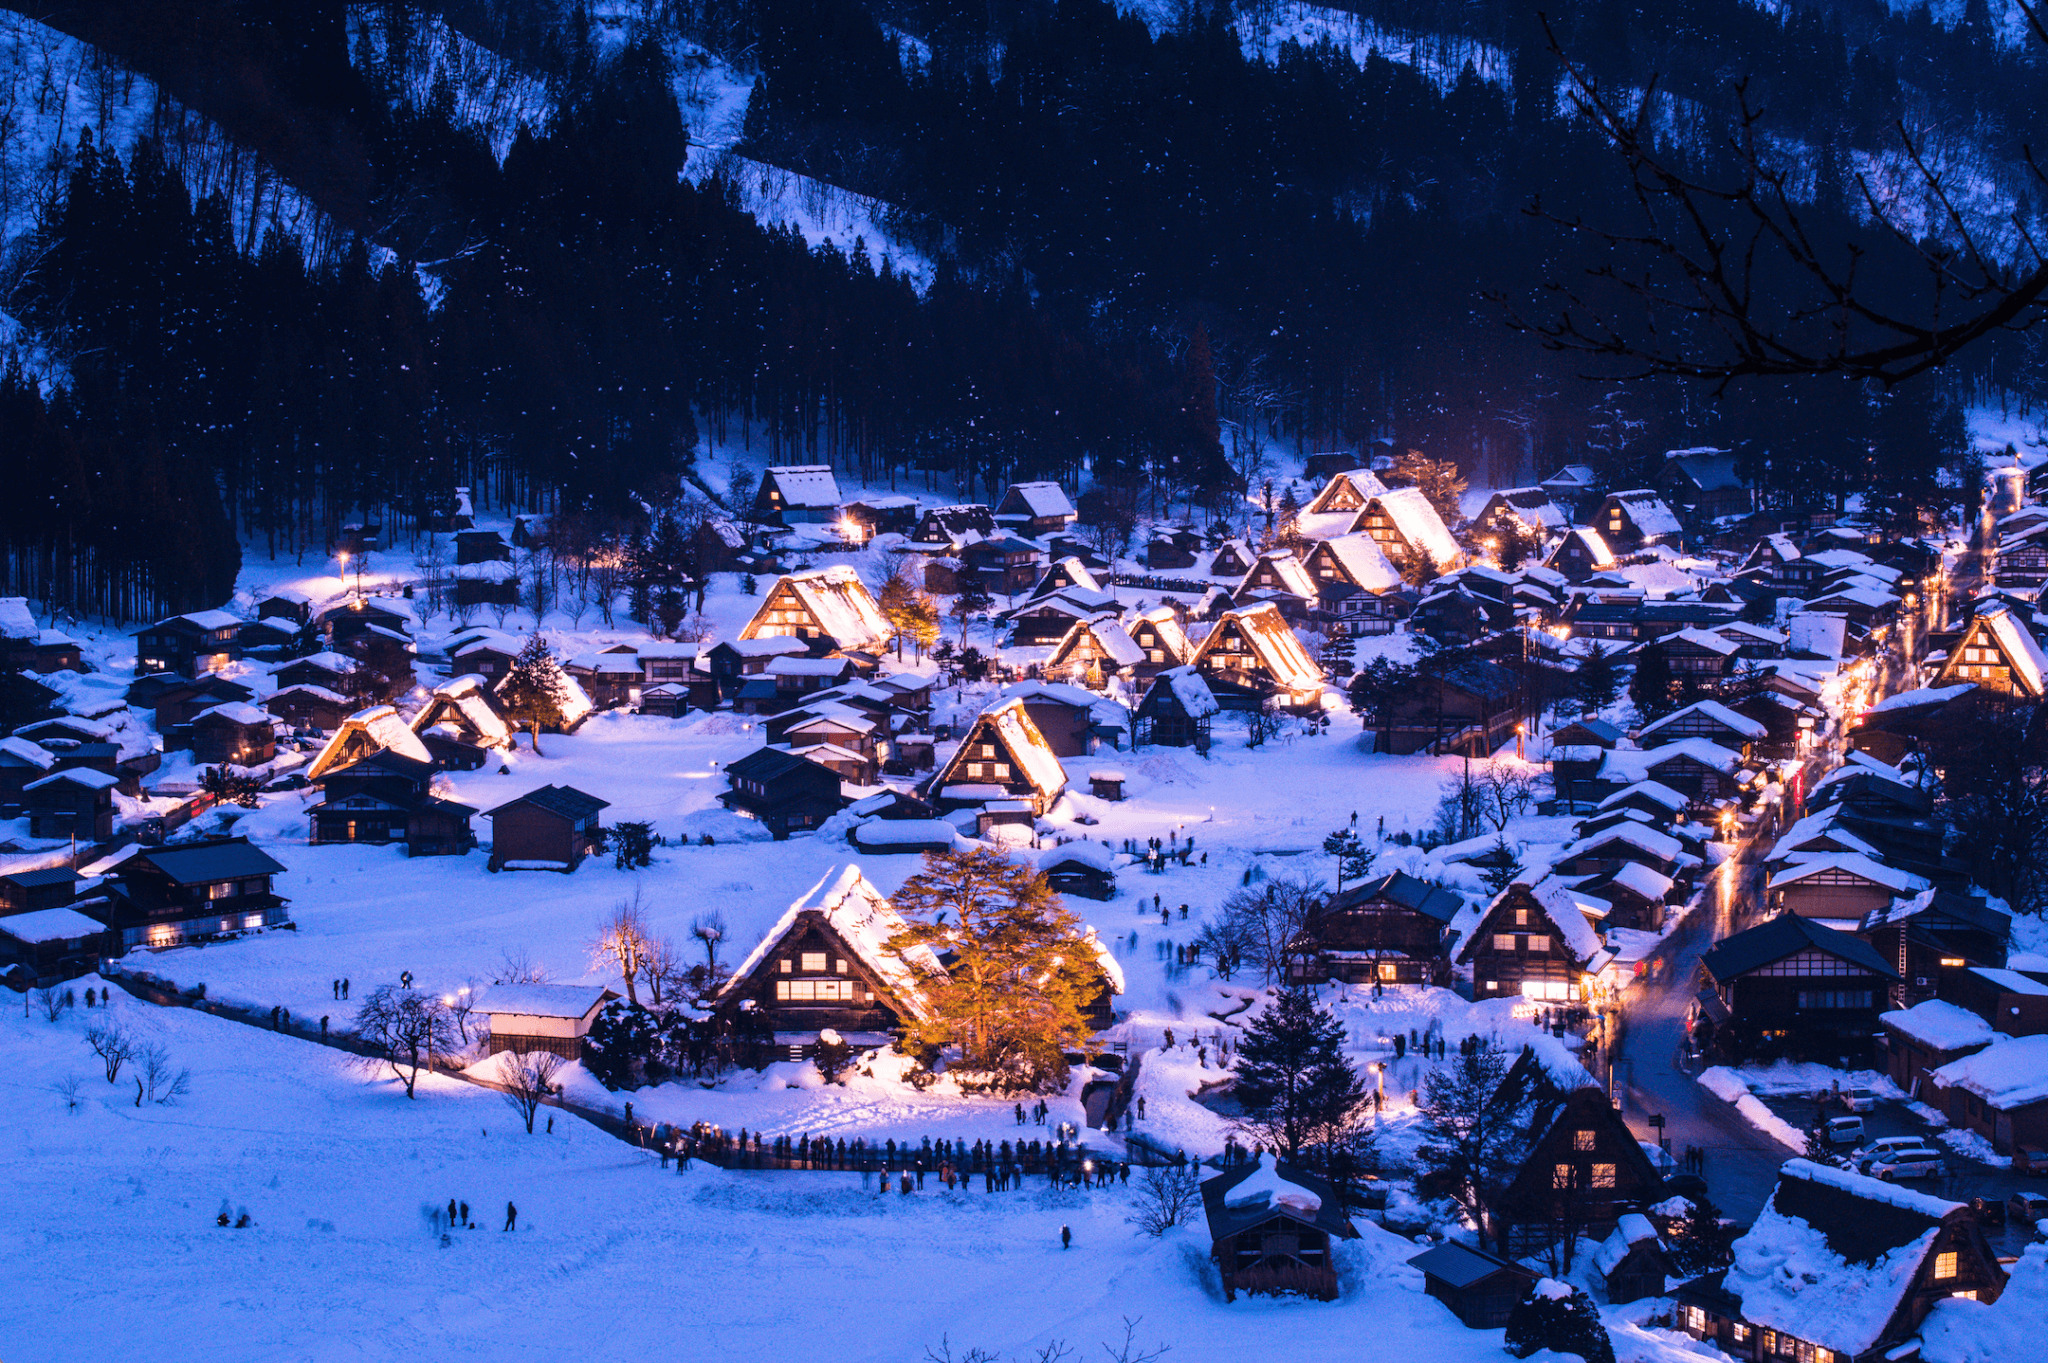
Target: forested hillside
(1153, 247)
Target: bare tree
(1725, 273)
(1168, 1195)
(516, 967)
(1260, 922)
(53, 1001)
(112, 1045)
(461, 1004)
(709, 930)
(663, 966)
(67, 1089)
(622, 943)
(529, 1080)
(408, 1028)
(1509, 791)
(155, 1079)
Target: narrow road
(1651, 1071)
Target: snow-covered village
(677, 675)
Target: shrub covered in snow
(1558, 1317)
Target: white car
(1918, 1163)
(1859, 1100)
(1883, 1146)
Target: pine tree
(535, 692)
(1296, 1085)
(1595, 682)
(1022, 970)
(1650, 687)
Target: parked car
(2027, 1207)
(1989, 1211)
(1884, 1145)
(1859, 1100)
(1844, 1131)
(2029, 1159)
(1917, 1163)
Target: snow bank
(1728, 1086)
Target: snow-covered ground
(111, 1212)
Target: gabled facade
(946, 529)
(1998, 654)
(786, 792)
(386, 799)
(189, 645)
(829, 961)
(1035, 509)
(1528, 510)
(1532, 942)
(1791, 986)
(1346, 491)
(830, 604)
(1407, 528)
(1630, 520)
(1278, 570)
(464, 708)
(1159, 636)
(1583, 1173)
(364, 732)
(1580, 554)
(1176, 710)
(1355, 560)
(1252, 655)
(1393, 929)
(1270, 1228)
(1706, 482)
(1094, 651)
(1232, 559)
(1004, 756)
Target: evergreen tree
(1596, 681)
(1650, 687)
(1021, 974)
(1294, 1081)
(1475, 1129)
(623, 1038)
(535, 691)
(1376, 694)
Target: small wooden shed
(1480, 1288)
(542, 1017)
(552, 828)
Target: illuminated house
(822, 603)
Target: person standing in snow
(511, 1216)
(465, 1213)
(1066, 1238)
(453, 1220)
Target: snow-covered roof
(1364, 482)
(1630, 1230)
(1705, 751)
(1042, 500)
(1275, 643)
(235, 712)
(1090, 854)
(1572, 475)
(35, 754)
(1813, 828)
(904, 832)
(206, 620)
(330, 661)
(1852, 863)
(1555, 898)
(2011, 1072)
(1648, 511)
(1533, 507)
(1817, 632)
(1594, 543)
(864, 918)
(541, 1000)
(1636, 835)
(50, 925)
(1362, 560)
(1796, 1277)
(1293, 576)
(1191, 689)
(1716, 711)
(806, 485)
(1923, 695)
(1112, 969)
(16, 620)
(1418, 522)
(1027, 745)
(1651, 885)
(382, 727)
(838, 600)
(467, 696)
(1265, 1187)
(786, 665)
(77, 776)
(482, 637)
(1940, 1024)
(1110, 636)
(310, 690)
(1655, 791)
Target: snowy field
(112, 1212)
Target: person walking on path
(1066, 1238)
(1020, 1114)
(344, 989)
(511, 1216)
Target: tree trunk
(533, 736)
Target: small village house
(367, 731)
(1003, 756)
(1006, 564)
(1094, 651)
(168, 896)
(189, 645)
(1481, 1289)
(1935, 934)
(1348, 491)
(946, 529)
(829, 604)
(46, 947)
(1083, 868)
(484, 653)
(1035, 509)
(1839, 886)
(797, 494)
(788, 793)
(1251, 656)
(309, 707)
(1584, 1171)
(385, 798)
(1795, 987)
(2013, 1001)
(556, 1018)
(1471, 708)
(1392, 929)
(1706, 482)
(1632, 520)
(1838, 1266)
(1533, 941)
(1580, 554)
(1527, 511)
(2000, 1092)
(830, 962)
(1408, 529)
(1176, 711)
(1074, 721)
(236, 733)
(1921, 1039)
(1270, 1228)
(1632, 1261)
(1999, 654)
(76, 803)
(552, 828)
(1232, 559)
